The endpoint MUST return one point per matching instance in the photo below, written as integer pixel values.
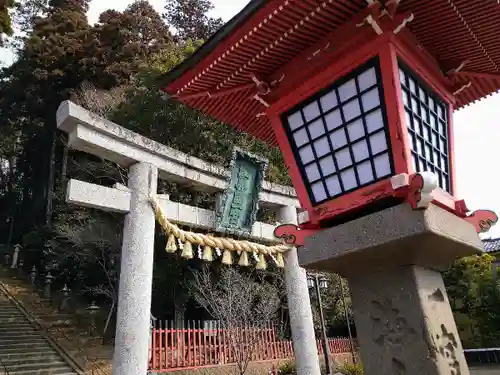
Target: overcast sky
(477, 127)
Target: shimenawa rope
(184, 240)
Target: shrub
(351, 369)
(287, 368)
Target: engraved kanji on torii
(237, 203)
(237, 206)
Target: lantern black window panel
(427, 122)
(339, 136)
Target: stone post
(48, 281)
(15, 256)
(179, 311)
(64, 304)
(92, 310)
(20, 269)
(136, 275)
(299, 306)
(6, 259)
(392, 260)
(33, 276)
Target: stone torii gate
(147, 161)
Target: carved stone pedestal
(405, 324)
(392, 260)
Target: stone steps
(31, 352)
(16, 327)
(33, 359)
(38, 370)
(24, 349)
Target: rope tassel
(184, 240)
(227, 258)
(187, 250)
(171, 244)
(243, 259)
(261, 265)
(207, 254)
(279, 260)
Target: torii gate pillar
(136, 274)
(299, 306)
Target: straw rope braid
(185, 240)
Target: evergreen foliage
(475, 298)
(5, 18)
(190, 18)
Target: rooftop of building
(491, 245)
(268, 35)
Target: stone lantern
(20, 269)
(92, 310)
(48, 282)
(15, 257)
(65, 297)
(32, 275)
(359, 96)
(6, 259)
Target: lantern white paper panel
(427, 122)
(340, 136)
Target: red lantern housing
(357, 94)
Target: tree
(5, 18)
(60, 53)
(333, 303)
(242, 305)
(124, 42)
(185, 129)
(190, 20)
(95, 244)
(26, 12)
(101, 102)
(47, 69)
(475, 299)
(53, 52)
(167, 290)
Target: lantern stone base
(397, 236)
(392, 259)
(405, 324)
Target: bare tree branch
(102, 103)
(242, 306)
(94, 242)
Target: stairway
(23, 349)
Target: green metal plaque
(238, 205)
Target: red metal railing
(173, 348)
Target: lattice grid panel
(340, 137)
(427, 122)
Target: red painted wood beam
(469, 74)
(339, 43)
(214, 94)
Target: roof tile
(491, 245)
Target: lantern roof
(220, 78)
